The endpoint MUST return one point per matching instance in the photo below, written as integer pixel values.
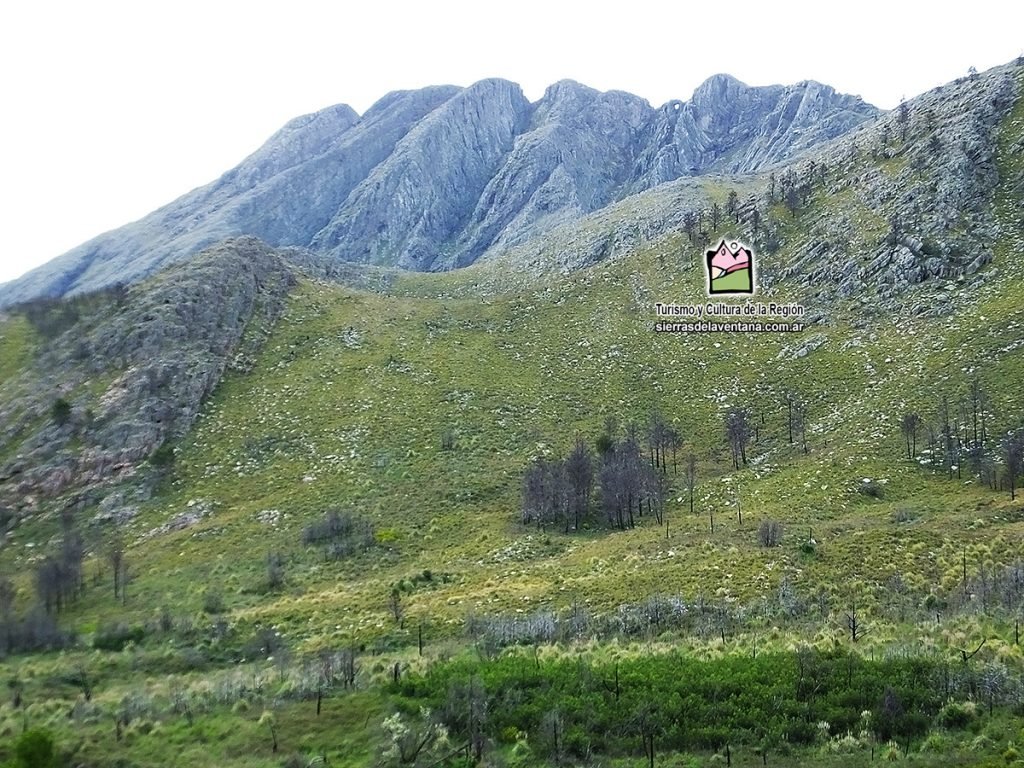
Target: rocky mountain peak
(715, 89)
(435, 178)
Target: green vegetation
(16, 343)
(575, 708)
(338, 562)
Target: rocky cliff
(129, 372)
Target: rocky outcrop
(134, 370)
(436, 178)
(414, 204)
(732, 128)
(909, 198)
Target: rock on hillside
(134, 369)
(434, 178)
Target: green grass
(17, 340)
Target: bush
(341, 534)
(213, 602)
(115, 637)
(163, 457)
(60, 411)
(956, 715)
(275, 571)
(903, 515)
(871, 489)
(937, 743)
(34, 749)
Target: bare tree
(395, 604)
(646, 722)
(347, 664)
(800, 423)
(769, 533)
(737, 432)
(275, 570)
(624, 486)
(115, 556)
(8, 594)
(546, 496)
(855, 623)
(1013, 459)
(732, 206)
(675, 442)
(467, 709)
(691, 477)
(579, 472)
(946, 432)
(910, 425)
(978, 404)
(790, 398)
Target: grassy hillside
(349, 405)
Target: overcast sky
(112, 109)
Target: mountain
(435, 178)
(268, 507)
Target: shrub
(115, 637)
(903, 515)
(957, 715)
(163, 457)
(35, 749)
(937, 743)
(341, 534)
(60, 411)
(871, 489)
(213, 602)
(275, 571)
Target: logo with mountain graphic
(730, 269)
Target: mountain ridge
(494, 170)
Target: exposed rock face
(416, 201)
(733, 128)
(926, 181)
(283, 193)
(435, 178)
(135, 370)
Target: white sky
(111, 109)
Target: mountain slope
(415, 402)
(432, 179)
(116, 375)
